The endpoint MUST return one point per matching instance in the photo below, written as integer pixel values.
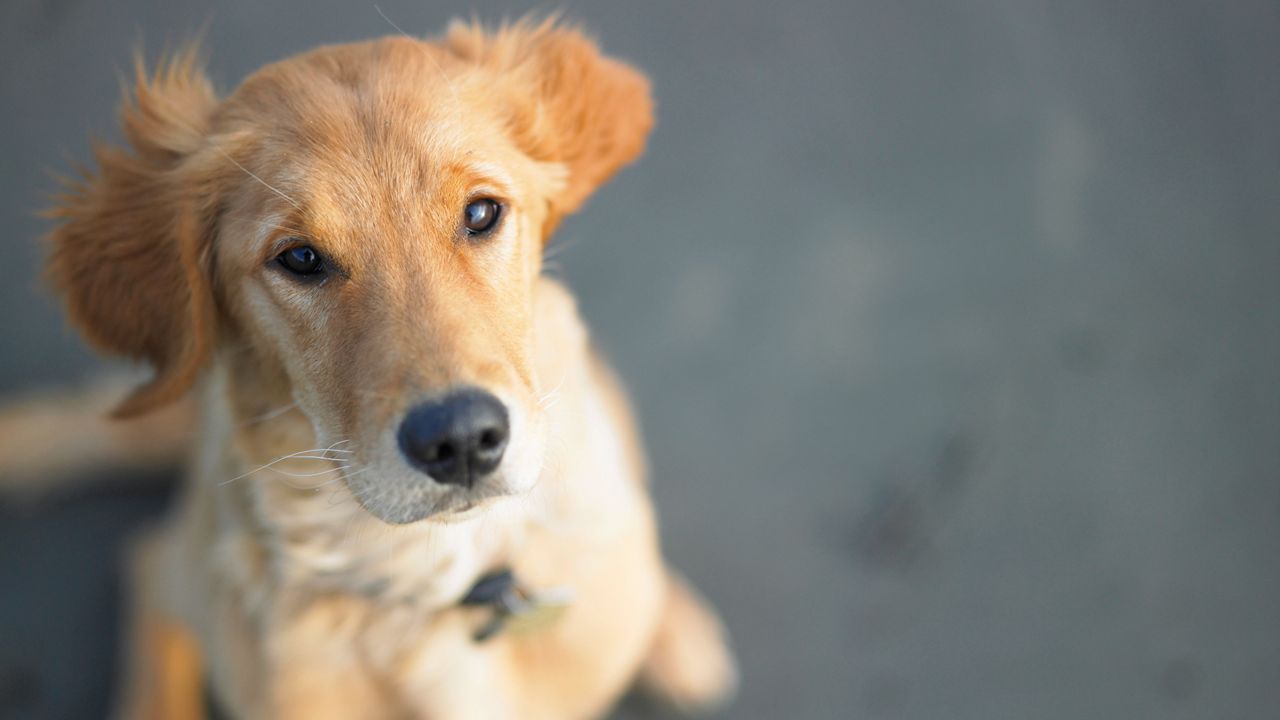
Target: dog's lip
(455, 506)
(468, 511)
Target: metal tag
(539, 611)
(519, 611)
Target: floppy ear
(130, 250)
(571, 104)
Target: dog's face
(366, 224)
(386, 261)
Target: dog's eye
(301, 260)
(481, 215)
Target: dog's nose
(458, 439)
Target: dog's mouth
(402, 504)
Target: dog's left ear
(570, 104)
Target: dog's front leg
(315, 669)
(689, 665)
(163, 670)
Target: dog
(415, 490)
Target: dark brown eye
(481, 215)
(301, 260)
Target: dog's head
(362, 227)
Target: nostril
(490, 439)
(442, 452)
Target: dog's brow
(487, 173)
(270, 222)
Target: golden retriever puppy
(415, 491)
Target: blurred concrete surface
(953, 327)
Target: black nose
(458, 439)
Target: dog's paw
(690, 666)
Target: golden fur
(308, 571)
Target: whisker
(335, 496)
(553, 391)
(306, 475)
(448, 83)
(263, 223)
(301, 455)
(310, 457)
(335, 479)
(558, 248)
(269, 415)
(265, 184)
(301, 486)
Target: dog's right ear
(570, 104)
(130, 252)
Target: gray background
(953, 328)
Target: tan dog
(343, 258)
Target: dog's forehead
(367, 132)
(364, 74)
(362, 103)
